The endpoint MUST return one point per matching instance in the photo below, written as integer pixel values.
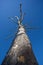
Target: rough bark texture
(20, 52)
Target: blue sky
(33, 17)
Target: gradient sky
(33, 17)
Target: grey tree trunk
(20, 52)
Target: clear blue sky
(34, 17)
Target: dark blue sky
(34, 17)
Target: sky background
(33, 17)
